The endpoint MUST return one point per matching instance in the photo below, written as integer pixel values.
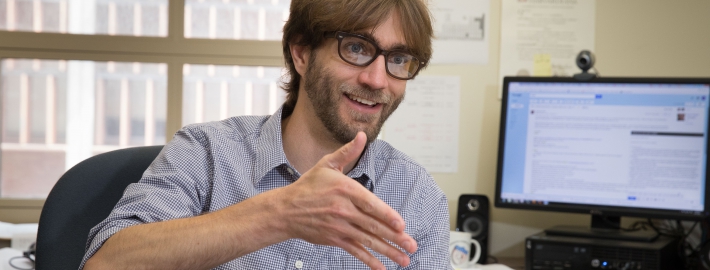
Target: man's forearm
(201, 242)
(323, 207)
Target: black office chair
(83, 197)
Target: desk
(517, 263)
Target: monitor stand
(603, 227)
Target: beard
(326, 97)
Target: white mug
(460, 249)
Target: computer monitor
(609, 147)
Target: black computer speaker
(473, 216)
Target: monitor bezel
(586, 208)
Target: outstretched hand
(326, 207)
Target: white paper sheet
(543, 37)
(7, 230)
(461, 31)
(426, 124)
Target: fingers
(381, 219)
(376, 221)
(364, 238)
(377, 229)
(347, 153)
(360, 253)
(369, 222)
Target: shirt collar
(365, 167)
(270, 152)
(269, 148)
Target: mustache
(366, 93)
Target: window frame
(174, 50)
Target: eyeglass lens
(361, 52)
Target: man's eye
(399, 59)
(356, 48)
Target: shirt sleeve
(174, 186)
(433, 235)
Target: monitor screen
(610, 146)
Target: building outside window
(110, 74)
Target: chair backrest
(83, 197)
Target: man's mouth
(361, 100)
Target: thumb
(346, 154)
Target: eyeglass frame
(340, 35)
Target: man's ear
(300, 55)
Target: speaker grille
(475, 225)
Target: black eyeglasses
(361, 51)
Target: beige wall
(633, 38)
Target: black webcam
(585, 61)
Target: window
(240, 19)
(121, 74)
(55, 114)
(104, 17)
(212, 93)
(33, 126)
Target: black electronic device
(545, 252)
(473, 216)
(705, 255)
(30, 253)
(609, 147)
(585, 61)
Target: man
(308, 187)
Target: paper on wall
(461, 31)
(543, 37)
(425, 126)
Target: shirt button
(299, 264)
(290, 170)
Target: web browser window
(635, 145)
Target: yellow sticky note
(542, 65)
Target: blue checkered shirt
(210, 166)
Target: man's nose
(375, 74)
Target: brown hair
(311, 19)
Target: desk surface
(515, 263)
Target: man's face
(347, 98)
